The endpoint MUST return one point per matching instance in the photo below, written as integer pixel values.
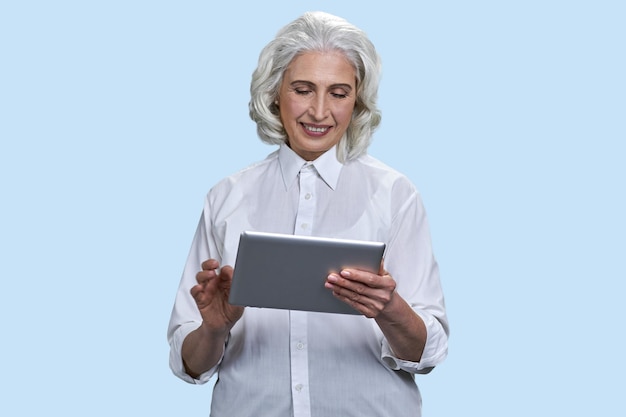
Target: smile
(314, 129)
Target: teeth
(316, 129)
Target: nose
(319, 107)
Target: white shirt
(285, 363)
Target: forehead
(321, 68)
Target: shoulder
(380, 172)
(390, 187)
(245, 178)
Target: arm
(404, 329)
(375, 297)
(194, 341)
(409, 307)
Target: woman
(314, 94)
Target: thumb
(381, 269)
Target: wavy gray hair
(318, 32)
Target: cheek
(343, 114)
(291, 110)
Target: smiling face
(316, 100)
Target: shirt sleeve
(410, 260)
(176, 361)
(185, 316)
(435, 351)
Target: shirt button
(300, 346)
(298, 387)
(304, 226)
(307, 196)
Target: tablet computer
(288, 271)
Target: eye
(339, 92)
(302, 91)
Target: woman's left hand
(366, 292)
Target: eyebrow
(332, 86)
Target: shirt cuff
(176, 358)
(435, 350)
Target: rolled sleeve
(176, 359)
(435, 350)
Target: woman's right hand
(211, 296)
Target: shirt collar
(327, 166)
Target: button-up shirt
(286, 363)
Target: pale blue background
(117, 116)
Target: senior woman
(314, 95)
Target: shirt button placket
(299, 319)
(306, 202)
(299, 364)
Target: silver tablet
(288, 272)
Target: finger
(378, 282)
(346, 289)
(361, 295)
(196, 291)
(375, 294)
(203, 277)
(358, 277)
(210, 264)
(363, 305)
(226, 273)
(199, 295)
(338, 282)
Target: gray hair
(318, 32)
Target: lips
(315, 130)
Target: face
(316, 100)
